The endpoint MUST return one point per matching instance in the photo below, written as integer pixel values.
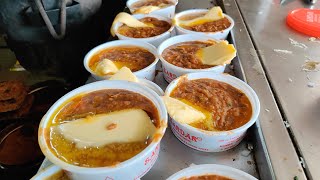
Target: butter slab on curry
(130, 125)
(124, 74)
(220, 53)
(182, 112)
(215, 13)
(102, 128)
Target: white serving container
(155, 40)
(145, 73)
(165, 12)
(214, 141)
(207, 169)
(216, 35)
(149, 84)
(134, 168)
(46, 173)
(171, 71)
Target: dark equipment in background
(51, 37)
(56, 51)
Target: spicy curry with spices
(158, 27)
(211, 26)
(224, 106)
(184, 54)
(91, 105)
(133, 57)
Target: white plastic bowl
(216, 35)
(155, 40)
(134, 168)
(145, 73)
(47, 172)
(206, 169)
(153, 86)
(214, 141)
(171, 71)
(165, 12)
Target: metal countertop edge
(282, 159)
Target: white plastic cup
(47, 173)
(216, 35)
(135, 167)
(207, 169)
(145, 73)
(149, 84)
(171, 71)
(153, 86)
(155, 40)
(214, 141)
(165, 12)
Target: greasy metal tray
(175, 156)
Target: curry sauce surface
(211, 26)
(184, 54)
(133, 57)
(159, 27)
(207, 177)
(225, 107)
(98, 102)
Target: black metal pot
(24, 130)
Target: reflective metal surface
(175, 156)
(262, 56)
(283, 52)
(282, 162)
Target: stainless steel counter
(271, 64)
(175, 156)
(282, 52)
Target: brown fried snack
(12, 95)
(12, 90)
(22, 111)
(11, 104)
(25, 107)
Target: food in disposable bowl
(106, 59)
(103, 129)
(157, 3)
(207, 177)
(194, 53)
(125, 74)
(165, 8)
(84, 113)
(136, 58)
(148, 28)
(210, 112)
(213, 22)
(158, 27)
(211, 172)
